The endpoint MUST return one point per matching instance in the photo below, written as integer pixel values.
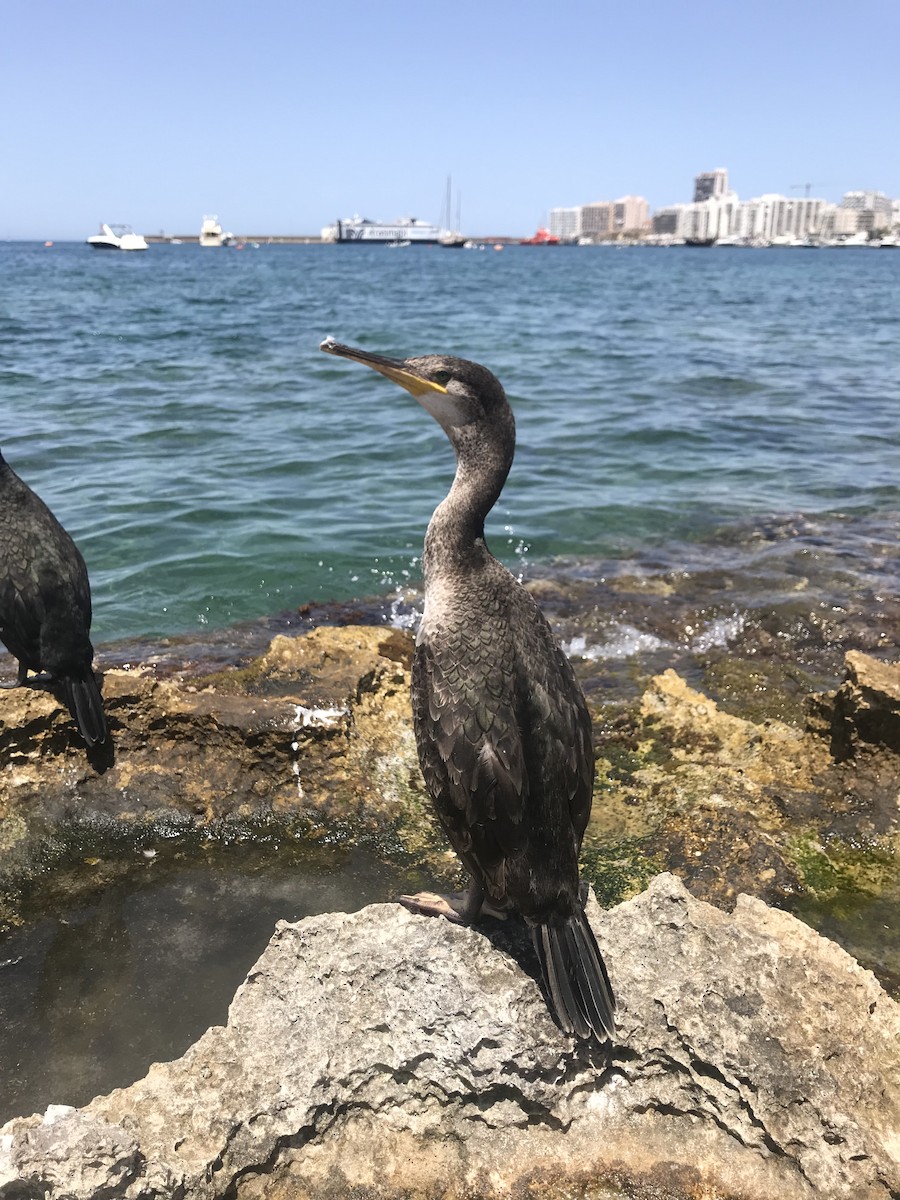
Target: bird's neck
(455, 537)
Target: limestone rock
(720, 791)
(384, 1055)
(865, 710)
(318, 730)
(753, 755)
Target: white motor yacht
(117, 237)
(211, 233)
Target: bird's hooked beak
(392, 368)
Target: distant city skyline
(717, 214)
(286, 117)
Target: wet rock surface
(385, 1055)
(763, 807)
(314, 737)
(315, 734)
(746, 739)
(865, 710)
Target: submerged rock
(388, 1055)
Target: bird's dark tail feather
(575, 977)
(86, 706)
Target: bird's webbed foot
(21, 679)
(39, 681)
(463, 908)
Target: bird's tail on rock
(86, 706)
(575, 977)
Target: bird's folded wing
(471, 753)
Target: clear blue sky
(282, 116)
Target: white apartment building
(874, 209)
(565, 223)
(861, 200)
(773, 216)
(797, 217)
(715, 217)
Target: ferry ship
(404, 229)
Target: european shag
(501, 724)
(45, 601)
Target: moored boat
(543, 237)
(860, 238)
(117, 237)
(211, 233)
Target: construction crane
(808, 187)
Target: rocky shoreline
(314, 737)
(735, 772)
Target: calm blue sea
(174, 410)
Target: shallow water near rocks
(92, 993)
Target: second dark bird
(45, 601)
(502, 727)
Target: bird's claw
(430, 904)
(457, 907)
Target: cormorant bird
(502, 727)
(45, 601)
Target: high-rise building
(630, 214)
(710, 219)
(608, 218)
(671, 221)
(838, 221)
(710, 183)
(772, 217)
(597, 219)
(565, 223)
(861, 200)
(875, 210)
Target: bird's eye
(442, 377)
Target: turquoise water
(175, 412)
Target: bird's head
(465, 399)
